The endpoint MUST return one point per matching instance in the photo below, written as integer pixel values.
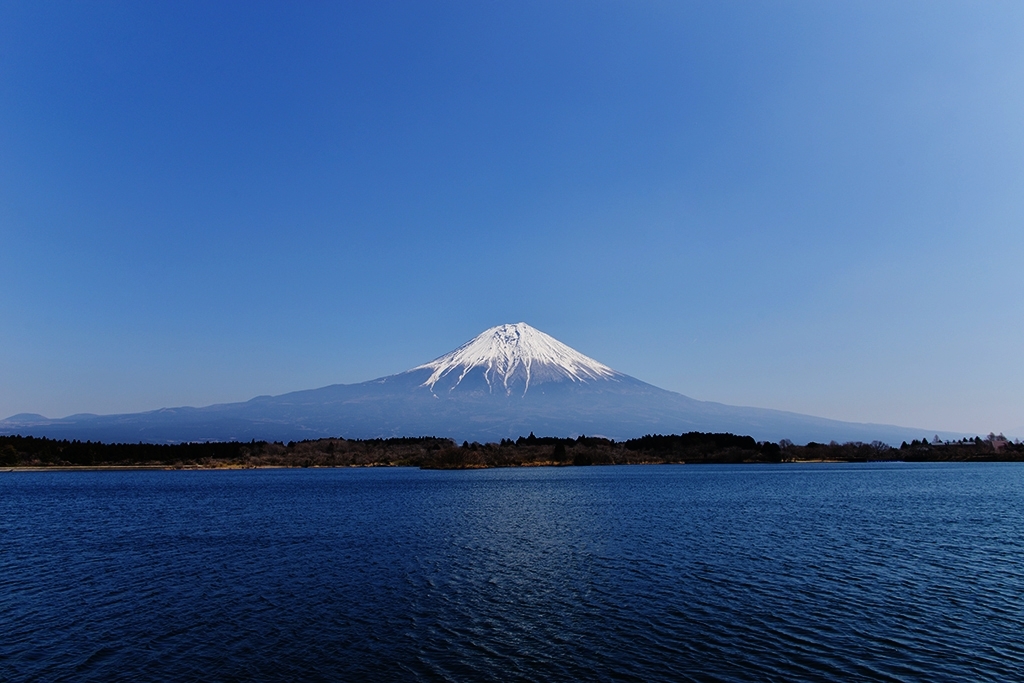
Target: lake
(888, 572)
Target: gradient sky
(809, 206)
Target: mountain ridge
(507, 382)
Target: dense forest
(439, 453)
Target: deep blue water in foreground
(890, 572)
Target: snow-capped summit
(511, 357)
(478, 392)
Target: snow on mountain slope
(510, 355)
(569, 394)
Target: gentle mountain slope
(507, 382)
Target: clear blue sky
(811, 206)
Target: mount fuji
(507, 382)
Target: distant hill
(507, 382)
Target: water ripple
(745, 573)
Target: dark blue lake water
(794, 572)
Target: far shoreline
(20, 453)
(242, 468)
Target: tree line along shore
(439, 453)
